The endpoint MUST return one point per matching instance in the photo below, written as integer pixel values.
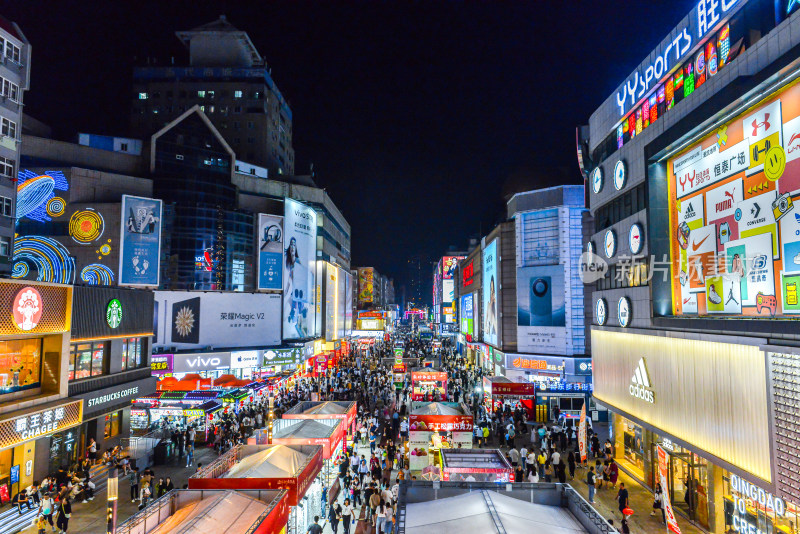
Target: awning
(471, 514)
(279, 461)
(228, 512)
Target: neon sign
(467, 274)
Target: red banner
(672, 523)
(423, 376)
(436, 423)
(277, 518)
(582, 434)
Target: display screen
(735, 232)
(466, 311)
(20, 364)
(299, 270)
(490, 286)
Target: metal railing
(581, 509)
(221, 465)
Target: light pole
(112, 495)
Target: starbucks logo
(114, 313)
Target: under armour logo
(756, 124)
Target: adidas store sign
(640, 384)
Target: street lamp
(112, 496)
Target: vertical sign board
(270, 251)
(299, 270)
(672, 523)
(490, 291)
(140, 241)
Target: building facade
(232, 84)
(692, 186)
(15, 60)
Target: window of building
(6, 207)
(20, 364)
(113, 424)
(4, 247)
(203, 109)
(257, 95)
(237, 109)
(237, 140)
(250, 125)
(131, 353)
(7, 167)
(123, 147)
(86, 360)
(251, 139)
(8, 128)
(13, 53)
(210, 94)
(237, 94)
(236, 125)
(211, 109)
(201, 94)
(142, 96)
(9, 90)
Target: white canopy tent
(226, 513)
(276, 462)
(327, 408)
(470, 514)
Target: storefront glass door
(688, 485)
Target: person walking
(613, 473)
(658, 498)
(133, 478)
(189, 454)
(64, 513)
(388, 524)
(347, 514)
(622, 498)
(571, 462)
(46, 508)
(335, 516)
(590, 482)
(314, 528)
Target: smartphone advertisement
(541, 310)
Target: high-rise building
(231, 82)
(416, 275)
(693, 182)
(15, 59)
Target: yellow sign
(775, 163)
(40, 423)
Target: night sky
(420, 118)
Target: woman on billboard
(298, 305)
(491, 313)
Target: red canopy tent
(263, 467)
(497, 389)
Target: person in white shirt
(523, 456)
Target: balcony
(106, 381)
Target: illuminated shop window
(86, 360)
(113, 421)
(142, 96)
(131, 353)
(20, 364)
(237, 94)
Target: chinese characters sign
(734, 229)
(437, 423)
(30, 426)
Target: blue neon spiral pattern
(97, 275)
(34, 191)
(52, 259)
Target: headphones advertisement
(270, 251)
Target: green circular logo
(114, 313)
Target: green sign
(114, 313)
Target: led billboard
(299, 270)
(490, 287)
(365, 284)
(734, 229)
(270, 251)
(541, 317)
(467, 314)
(140, 241)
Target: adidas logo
(640, 384)
(689, 212)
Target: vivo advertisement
(541, 317)
(270, 251)
(299, 268)
(140, 242)
(490, 291)
(199, 319)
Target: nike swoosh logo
(695, 246)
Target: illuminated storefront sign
(601, 312)
(745, 495)
(114, 313)
(27, 309)
(23, 428)
(467, 274)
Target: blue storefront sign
(140, 241)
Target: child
(41, 525)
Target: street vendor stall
(399, 373)
(499, 391)
(221, 511)
(475, 465)
(345, 410)
(329, 433)
(175, 411)
(428, 384)
(436, 425)
(260, 467)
